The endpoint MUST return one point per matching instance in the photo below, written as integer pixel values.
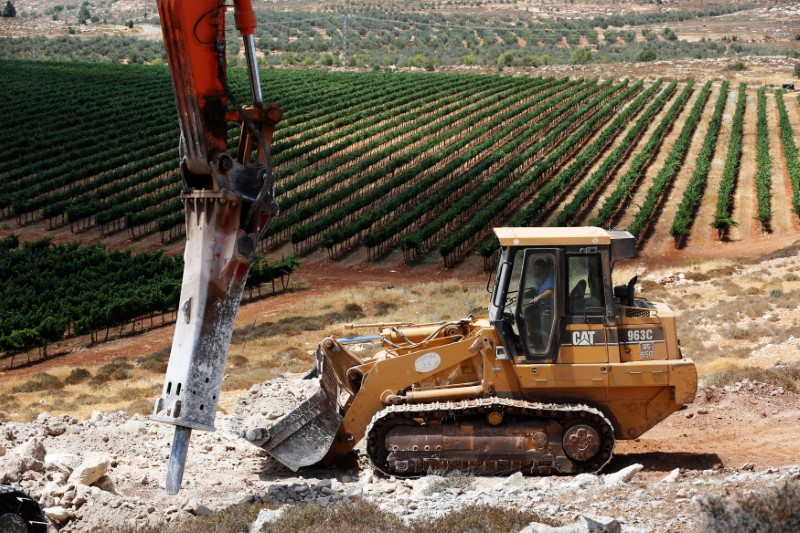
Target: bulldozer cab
(553, 287)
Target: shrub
(39, 382)
(117, 370)
(646, 55)
(480, 519)
(236, 518)
(155, 362)
(356, 515)
(580, 56)
(383, 307)
(238, 361)
(781, 377)
(78, 375)
(737, 66)
(770, 510)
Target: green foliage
(612, 161)
(48, 287)
(722, 217)
(648, 212)
(580, 56)
(540, 60)
(578, 123)
(797, 70)
(506, 58)
(553, 190)
(763, 163)
(670, 35)
(627, 183)
(737, 66)
(790, 150)
(83, 13)
(647, 55)
(770, 510)
(693, 194)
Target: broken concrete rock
(266, 516)
(57, 513)
(32, 455)
(623, 476)
(91, 470)
(58, 461)
(585, 524)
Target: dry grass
(355, 515)
(117, 370)
(39, 382)
(787, 377)
(155, 362)
(773, 510)
(78, 375)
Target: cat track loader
(564, 364)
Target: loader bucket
(304, 435)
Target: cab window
(584, 283)
(537, 302)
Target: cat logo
(583, 338)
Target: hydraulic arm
(228, 202)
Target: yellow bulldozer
(564, 364)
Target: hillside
(431, 35)
(738, 320)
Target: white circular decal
(427, 362)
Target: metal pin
(177, 459)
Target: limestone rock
(32, 454)
(585, 480)
(57, 513)
(623, 476)
(585, 524)
(105, 483)
(672, 477)
(91, 469)
(69, 461)
(266, 516)
(194, 507)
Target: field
(398, 167)
(384, 168)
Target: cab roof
(623, 244)
(590, 236)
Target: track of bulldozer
(489, 436)
(19, 512)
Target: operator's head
(540, 269)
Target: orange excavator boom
(228, 202)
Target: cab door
(584, 338)
(539, 301)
